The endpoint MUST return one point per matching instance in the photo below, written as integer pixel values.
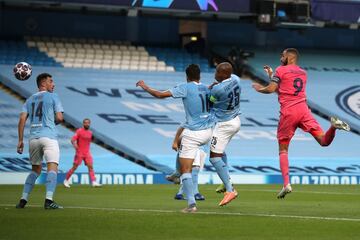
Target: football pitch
(149, 212)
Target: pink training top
(291, 80)
(83, 138)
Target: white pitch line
(295, 191)
(203, 213)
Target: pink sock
(69, 173)
(284, 166)
(328, 137)
(92, 175)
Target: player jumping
(225, 96)
(198, 125)
(289, 81)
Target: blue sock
(181, 189)
(29, 185)
(51, 181)
(225, 160)
(195, 177)
(223, 172)
(187, 183)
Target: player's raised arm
(153, 92)
(271, 87)
(269, 71)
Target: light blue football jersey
(195, 98)
(225, 97)
(41, 108)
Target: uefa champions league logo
(203, 4)
(349, 101)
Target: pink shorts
(79, 157)
(297, 116)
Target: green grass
(126, 212)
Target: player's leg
(36, 155)
(325, 139)
(309, 124)
(90, 164)
(190, 143)
(286, 129)
(221, 188)
(77, 161)
(175, 176)
(186, 181)
(197, 166)
(52, 156)
(223, 133)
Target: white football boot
(285, 190)
(339, 124)
(66, 183)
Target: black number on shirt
(298, 85)
(36, 112)
(234, 97)
(205, 103)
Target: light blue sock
(51, 181)
(29, 185)
(187, 183)
(195, 177)
(181, 189)
(223, 172)
(225, 160)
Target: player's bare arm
(270, 88)
(153, 92)
(22, 120)
(177, 139)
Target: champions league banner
(238, 6)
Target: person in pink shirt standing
(289, 81)
(81, 142)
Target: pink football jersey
(291, 81)
(83, 138)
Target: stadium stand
(131, 121)
(179, 58)
(97, 54)
(12, 52)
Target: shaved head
(223, 71)
(289, 56)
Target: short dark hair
(293, 51)
(42, 77)
(193, 72)
(88, 119)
